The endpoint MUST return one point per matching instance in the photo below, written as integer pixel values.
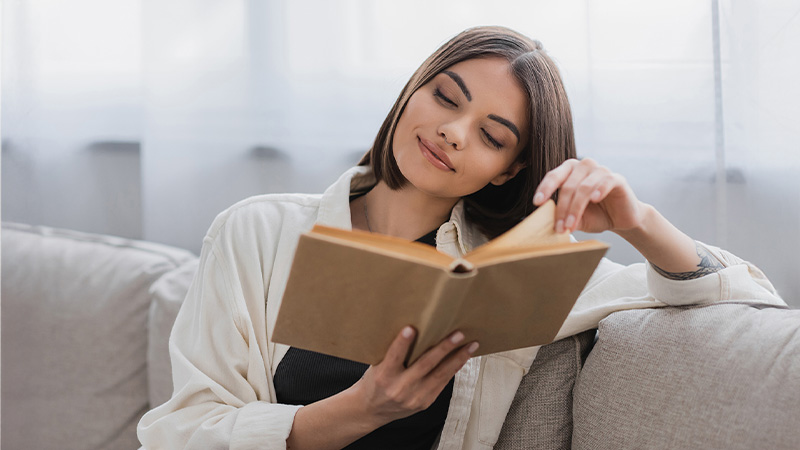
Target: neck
(406, 213)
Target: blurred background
(146, 118)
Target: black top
(304, 377)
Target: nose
(454, 134)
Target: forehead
(492, 85)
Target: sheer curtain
(146, 118)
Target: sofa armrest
(715, 376)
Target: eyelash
(442, 97)
(491, 140)
(437, 93)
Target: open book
(350, 292)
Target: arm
(221, 391)
(680, 271)
(594, 199)
(673, 254)
(223, 396)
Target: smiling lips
(435, 156)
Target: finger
(552, 181)
(434, 356)
(397, 352)
(590, 189)
(603, 189)
(447, 369)
(568, 190)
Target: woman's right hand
(392, 391)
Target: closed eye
(442, 97)
(491, 140)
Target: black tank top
(304, 377)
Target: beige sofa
(86, 318)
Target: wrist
(661, 243)
(359, 406)
(643, 227)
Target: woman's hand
(392, 391)
(387, 391)
(591, 198)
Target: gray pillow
(718, 376)
(541, 414)
(74, 336)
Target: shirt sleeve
(220, 364)
(616, 287)
(737, 281)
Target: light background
(146, 118)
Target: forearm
(332, 423)
(671, 252)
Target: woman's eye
(442, 97)
(491, 140)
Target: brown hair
(550, 140)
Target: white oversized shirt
(223, 360)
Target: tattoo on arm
(708, 264)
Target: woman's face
(463, 129)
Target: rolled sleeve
(737, 281)
(259, 419)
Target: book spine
(438, 319)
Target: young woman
(480, 136)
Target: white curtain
(146, 118)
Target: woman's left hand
(591, 198)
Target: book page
(497, 256)
(538, 229)
(385, 244)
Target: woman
(480, 136)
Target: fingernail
(596, 195)
(570, 221)
(457, 337)
(560, 226)
(472, 348)
(408, 332)
(538, 198)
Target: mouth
(434, 155)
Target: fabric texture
(74, 336)
(223, 359)
(541, 414)
(738, 387)
(167, 295)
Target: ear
(510, 173)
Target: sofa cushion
(167, 295)
(74, 336)
(717, 376)
(541, 414)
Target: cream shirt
(223, 360)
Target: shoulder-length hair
(550, 138)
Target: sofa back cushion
(718, 376)
(74, 336)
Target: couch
(86, 319)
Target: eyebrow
(507, 123)
(460, 82)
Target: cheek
(487, 166)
